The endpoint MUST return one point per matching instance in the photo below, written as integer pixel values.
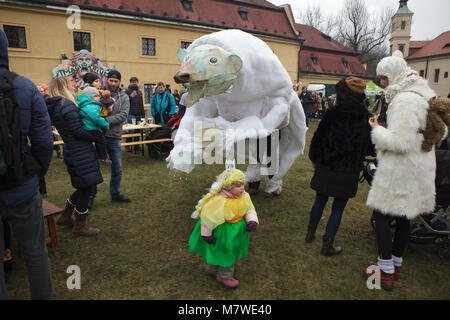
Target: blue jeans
(336, 214)
(307, 118)
(114, 148)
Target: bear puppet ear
(236, 62)
(181, 53)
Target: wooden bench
(50, 211)
(145, 142)
(130, 135)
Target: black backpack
(14, 163)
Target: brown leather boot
(328, 249)
(396, 273)
(310, 234)
(386, 280)
(80, 228)
(66, 217)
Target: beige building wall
(401, 36)
(442, 86)
(116, 40)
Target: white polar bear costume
(237, 82)
(403, 184)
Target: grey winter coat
(119, 114)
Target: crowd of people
(315, 104)
(90, 124)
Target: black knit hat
(134, 79)
(90, 78)
(115, 74)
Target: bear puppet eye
(213, 60)
(186, 58)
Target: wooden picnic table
(141, 128)
(129, 127)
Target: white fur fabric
(404, 180)
(261, 98)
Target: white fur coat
(404, 181)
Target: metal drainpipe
(426, 70)
(298, 72)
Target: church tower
(401, 29)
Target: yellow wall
(117, 41)
(308, 79)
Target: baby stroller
(159, 149)
(433, 227)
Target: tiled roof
(329, 53)
(418, 44)
(263, 17)
(438, 46)
(316, 39)
(331, 63)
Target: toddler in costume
(227, 215)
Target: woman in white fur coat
(403, 186)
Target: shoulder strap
(419, 94)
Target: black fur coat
(338, 148)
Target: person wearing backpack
(404, 183)
(21, 165)
(79, 156)
(162, 105)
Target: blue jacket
(89, 110)
(163, 107)
(36, 127)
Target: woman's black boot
(310, 234)
(328, 249)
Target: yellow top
(220, 209)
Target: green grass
(142, 250)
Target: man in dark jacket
(307, 103)
(136, 101)
(136, 104)
(22, 206)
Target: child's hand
(209, 239)
(373, 121)
(251, 226)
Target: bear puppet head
(207, 70)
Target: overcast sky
(430, 19)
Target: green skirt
(231, 244)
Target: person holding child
(221, 236)
(79, 155)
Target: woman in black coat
(79, 155)
(337, 151)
